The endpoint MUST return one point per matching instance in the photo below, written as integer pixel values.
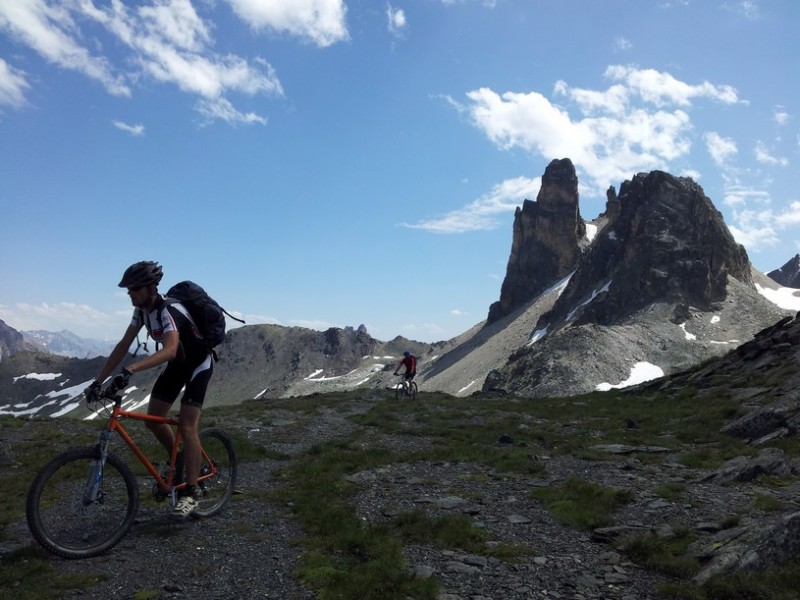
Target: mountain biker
(188, 361)
(410, 363)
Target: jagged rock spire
(545, 247)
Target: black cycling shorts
(194, 375)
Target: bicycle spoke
(217, 472)
(63, 522)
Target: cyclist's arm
(167, 352)
(118, 353)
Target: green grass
(768, 503)
(343, 557)
(774, 584)
(582, 504)
(27, 574)
(449, 532)
(672, 490)
(667, 555)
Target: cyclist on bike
(410, 363)
(189, 365)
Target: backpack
(206, 313)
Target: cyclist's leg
(165, 390)
(162, 431)
(189, 416)
(189, 425)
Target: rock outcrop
(669, 244)
(789, 274)
(12, 341)
(663, 283)
(546, 241)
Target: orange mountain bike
(84, 501)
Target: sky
(332, 163)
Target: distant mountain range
(66, 343)
(62, 343)
(655, 284)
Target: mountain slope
(66, 343)
(656, 282)
(663, 283)
(789, 274)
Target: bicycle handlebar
(110, 392)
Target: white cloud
(614, 100)
(663, 89)
(322, 22)
(167, 41)
(315, 324)
(622, 44)
(480, 214)
(764, 157)
(80, 319)
(397, 20)
(222, 109)
(639, 124)
(736, 195)
(756, 229)
(745, 8)
(52, 32)
(135, 130)
(177, 23)
(12, 86)
(790, 216)
(720, 148)
(486, 3)
(781, 116)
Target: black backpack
(206, 313)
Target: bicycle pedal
(159, 495)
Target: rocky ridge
(663, 282)
(655, 280)
(789, 274)
(252, 548)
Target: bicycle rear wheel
(217, 472)
(63, 522)
(413, 390)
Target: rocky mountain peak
(669, 244)
(663, 285)
(12, 341)
(546, 241)
(789, 274)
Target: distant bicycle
(405, 389)
(84, 501)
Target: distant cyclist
(188, 367)
(410, 363)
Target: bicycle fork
(91, 492)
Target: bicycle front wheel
(63, 522)
(217, 472)
(399, 391)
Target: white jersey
(160, 321)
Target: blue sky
(334, 162)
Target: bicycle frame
(114, 425)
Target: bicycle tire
(413, 390)
(63, 523)
(213, 493)
(399, 392)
